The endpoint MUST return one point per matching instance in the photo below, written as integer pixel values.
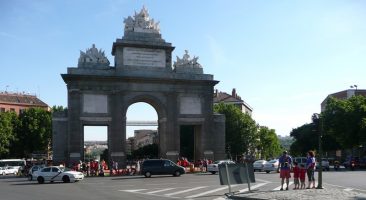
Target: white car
(325, 164)
(259, 164)
(12, 170)
(214, 167)
(32, 170)
(4, 171)
(57, 174)
(271, 165)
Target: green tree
(269, 144)
(34, 132)
(58, 108)
(240, 130)
(148, 151)
(345, 120)
(305, 139)
(8, 123)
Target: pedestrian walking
(285, 166)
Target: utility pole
(319, 119)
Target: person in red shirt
(302, 176)
(296, 170)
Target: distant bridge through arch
(142, 123)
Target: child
(302, 176)
(296, 170)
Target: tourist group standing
(286, 165)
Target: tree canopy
(8, 123)
(244, 136)
(269, 144)
(27, 133)
(345, 119)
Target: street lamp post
(320, 153)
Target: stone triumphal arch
(100, 94)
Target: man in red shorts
(285, 165)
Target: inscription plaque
(143, 57)
(190, 105)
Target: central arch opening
(141, 131)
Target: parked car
(160, 167)
(57, 174)
(258, 165)
(271, 165)
(214, 167)
(4, 171)
(32, 170)
(300, 160)
(325, 164)
(12, 170)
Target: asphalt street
(188, 186)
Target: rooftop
(21, 99)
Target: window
(54, 169)
(167, 163)
(12, 109)
(2, 109)
(47, 169)
(21, 111)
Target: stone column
(117, 131)
(75, 140)
(172, 139)
(218, 132)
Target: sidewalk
(310, 194)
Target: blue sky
(283, 57)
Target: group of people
(201, 164)
(286, 165)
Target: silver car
(271, 166)
(258, 165)
(214, 167)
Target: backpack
(285, 162)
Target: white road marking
(184, 191)
(252, 187)
(138, 190)
(162, 190)
(257, 179)
(161, 184)
(278, 188)
(208, 192)
(220, 198)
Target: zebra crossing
(202, 191)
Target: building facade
(234, 98)
(18, 102)
(345, 94)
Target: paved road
(188, 186)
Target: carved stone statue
(185, 61)
(93, 57)
(141, 22)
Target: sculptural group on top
(186, 61)
(141, 22)
(93, 57)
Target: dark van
(160, 167)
